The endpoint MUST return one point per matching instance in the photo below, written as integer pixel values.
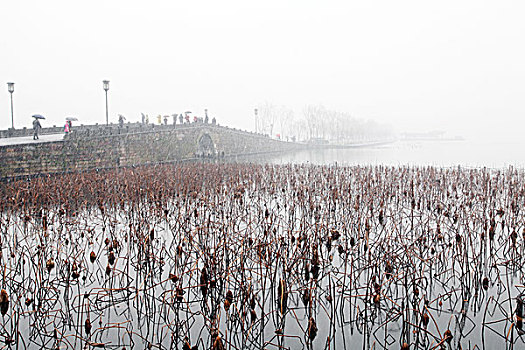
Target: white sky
(451, 64)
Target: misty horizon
(451, 66)
(336, 174)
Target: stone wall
(107, 147)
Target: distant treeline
(318, 122)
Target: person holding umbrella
(121, 119)
(68, 126)
(36, 125)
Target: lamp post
(256, 111)
(106, 88)
(11, 89)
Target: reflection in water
(423, 153)
(247, 256)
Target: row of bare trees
(318, 122)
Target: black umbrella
(38, 116)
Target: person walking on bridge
(67, 127)
(36, 128)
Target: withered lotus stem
(4, 302)
(173, 277)
(425, 319)
(448, 336)
(111, 258)
(87, 326)
(312, 329)
(217, 344)
(229, 296)
(50, 264)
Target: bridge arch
(206, 146)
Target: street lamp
(256, 111)
(11, 89)
(106, 88)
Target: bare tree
(320, 122)
(267, 117)
(310, 116)
(285, 118)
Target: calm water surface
(469, 153)
(124, 268)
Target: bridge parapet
(109, 146)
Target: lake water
(470, 153)
(276, 257)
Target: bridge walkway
(9, 141)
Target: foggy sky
(418, 65)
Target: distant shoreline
(455, 138)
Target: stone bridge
(91, 147)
